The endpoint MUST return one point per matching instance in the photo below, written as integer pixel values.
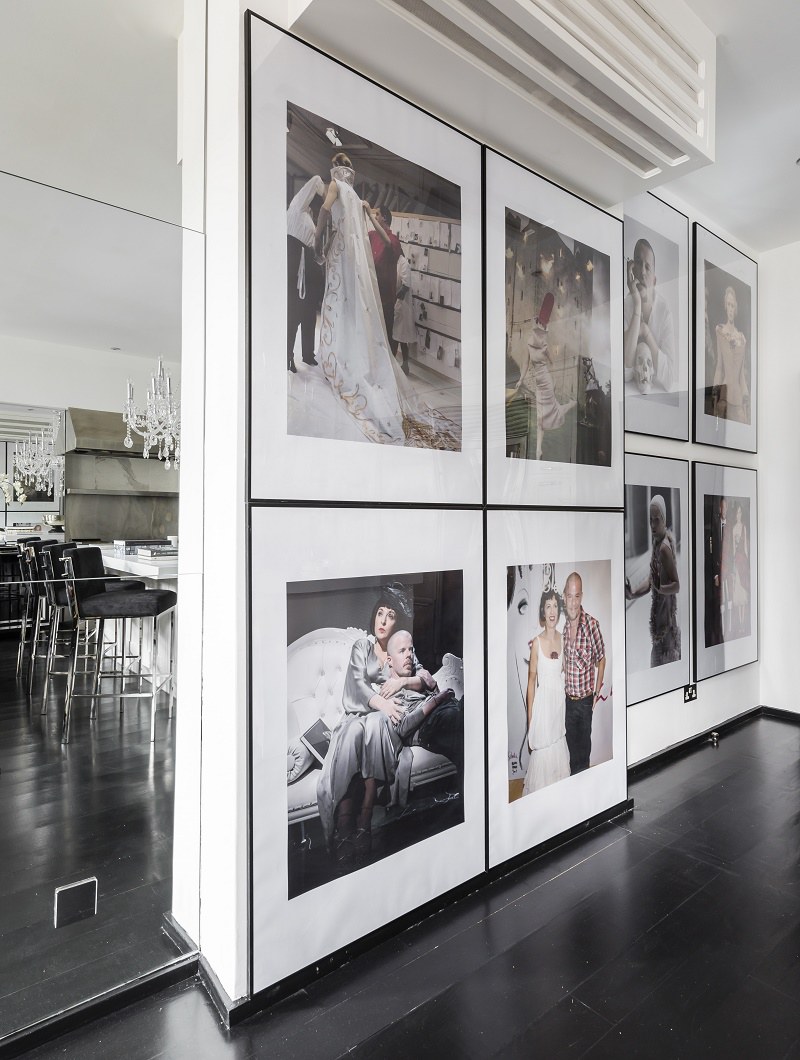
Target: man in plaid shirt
(584, 666)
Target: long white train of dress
(353, 347)
(549, 761)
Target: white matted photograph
(656, 318)
(657, 587)
(725, 344)
(367, 723)
(554, 344)
(556, 672)
(365, 334)
(726, 568)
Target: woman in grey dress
(664, 585)
(362, 758)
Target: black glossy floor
(674, 933)
(102, 806)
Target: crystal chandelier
(159, 424)
(36, 464)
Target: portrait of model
(727, 326)
(649, 328)
(557, 673)
(727, 573)
(349, 295)
(558, 364)
(662, 582)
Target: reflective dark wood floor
(675, 933)
(102, 806)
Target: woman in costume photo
(536, 379)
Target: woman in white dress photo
(545, 700)
(353, 349)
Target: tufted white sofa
(317, 664)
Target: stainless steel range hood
(90, 431)
(110, 491)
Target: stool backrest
(52, 563)
(85, 564)
(36, 571)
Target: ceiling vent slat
(621, 73)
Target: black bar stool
(94, 601)
(38, 615)
(25, 618)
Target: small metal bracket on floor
(714, 738)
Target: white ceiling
(88, 104)
(79, 273)
(89, 99)
(753, 188)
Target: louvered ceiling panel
(609, 97)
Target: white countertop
(140, 566)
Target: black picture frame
(725, 333)
(657, 394)
(725, 562)
(653, 638)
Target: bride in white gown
(353, 348)
(547, 742)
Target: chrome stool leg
(171, 662)
(52, 643)
(154, 680)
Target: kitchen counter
(156, 568)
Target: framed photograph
(367, 723)
(725, 568)
(556, 674)
(656, 318)
(365, 323)
(725, 344)
(554, 344)
(657, 592)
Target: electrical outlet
(689, 693)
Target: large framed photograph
(725, 344)
(365, 322)
(367, 723)
(554, 343)
(657, 591)
(556, 670)
(726, 568)
(656, 318)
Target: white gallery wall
(653, 726)
(778, 484)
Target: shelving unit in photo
(433, 249)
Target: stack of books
(157, 550)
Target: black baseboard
(678, 750)
(780, 714)
(298, 980)
(613, 813)
(179, 938)
(219, 996)
(20, 1042)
